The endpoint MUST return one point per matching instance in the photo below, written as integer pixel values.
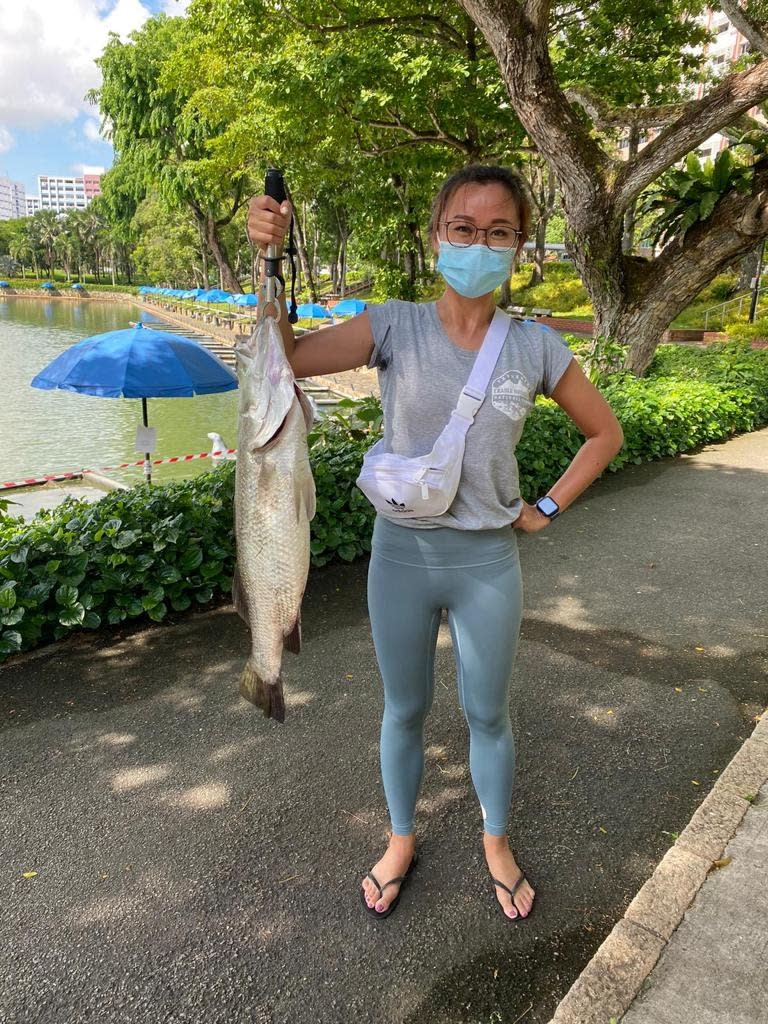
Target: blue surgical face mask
(474, 270)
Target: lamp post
(756, 283)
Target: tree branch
(751, 29)
(735, 226)
(537, 12)
(605, 115)
(443, 30)
(438, 135)
(733, 96)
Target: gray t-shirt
(421, 373)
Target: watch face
(548, 506)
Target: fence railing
(739, 301)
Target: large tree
(152, 114)
(634, 299)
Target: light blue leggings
(475, 576)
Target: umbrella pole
(147, 462)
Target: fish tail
(267, 696)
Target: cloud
(91, 130)
(80, 169)
(47, 54)
(6, 140)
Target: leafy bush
(148, 552)
(31, 284)
(138, 552)
(392, 283)
(741, 330)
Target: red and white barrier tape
(75, 474)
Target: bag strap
(473, 393)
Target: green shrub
(30, 284)
(391, 282)
(134, 553)
(150, 551)
(738, 330)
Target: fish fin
(304, 495)
(239, 598)
(292, 642)
(306, 406)
(267, 696)
(310, 498)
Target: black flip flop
(512, 891)
(401, 880)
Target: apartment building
(33, 204)
(60, 193)
(12, 199)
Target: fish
(274, 505)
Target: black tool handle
(274, 186)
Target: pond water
(51, 431)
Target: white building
(12, 196)
(59, 193)
(33, 205)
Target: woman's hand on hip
(530, 519)
(268, 221)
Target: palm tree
(22, 250)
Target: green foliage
(745, 332)
(562, 292)
(603, 357)
(682, 198)
(392, 283)
(344, 518)
(139, 552)
(154, 551)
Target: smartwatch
(548, 507)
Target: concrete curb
(611, 980)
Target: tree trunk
(227, 276)
(300, 235)
(539, 252)
(203, 250)
(748, 269)
(421, 260)
(628, 238)
(343, 265)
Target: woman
(464, 561)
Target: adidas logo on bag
(398, 506)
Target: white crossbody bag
(404, 488)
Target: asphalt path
(195, 862)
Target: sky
(47, 54)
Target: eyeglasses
(499, 238)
